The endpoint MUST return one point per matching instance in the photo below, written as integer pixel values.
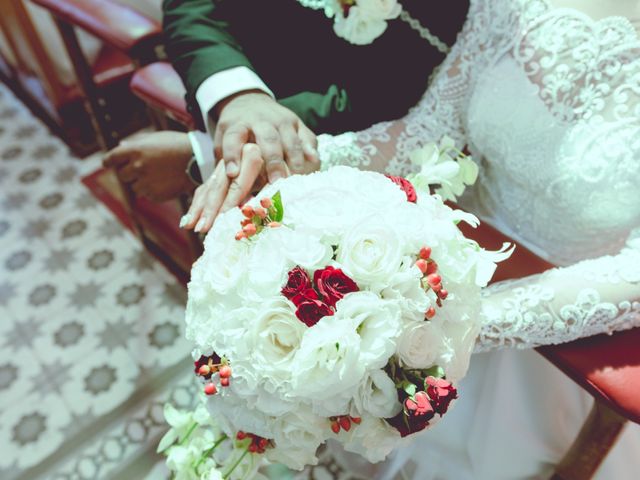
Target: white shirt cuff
(202, 147)
(224, 84)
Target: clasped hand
(256, 141)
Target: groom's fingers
(309, 147)
(240, 186)
(268, 139)
(292, 148)
(232, 142)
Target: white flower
(370, 253)
(366, 20)
(234, 414)
(297, 437)
(374, 439)
(180, 421)
(378, 396)
(327, 363)
(274, 338)
(303, 250)
(214, 474)
(247, 468)
(419, 344)
(437, 166)
(222, 264)
(460, 341)
(405, 287)
(377, 322)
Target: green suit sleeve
(198, 43)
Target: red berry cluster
(256, 219)
(258, 444)
(205, 367)
(431, 279)
(343, 422)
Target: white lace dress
(548, 102)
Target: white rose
(266, 267)
(405, 287)
(274, 338)
(387, 9)
(378, 396)
(370, 253)
(297, 438)
(358, 28)
(366, 20)
(420, 344)
(460, 341)
(374, 439)
(326, 365)
(303, 249)
(376, 321)
(256, 392)
(233, 414)
(229, 266)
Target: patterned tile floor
(91, 341)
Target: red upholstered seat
(116, 24)
(159, 86)
(606, 366)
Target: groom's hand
(254, 117)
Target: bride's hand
(219, 193)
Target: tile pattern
(91, 326)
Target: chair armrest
(115, 24)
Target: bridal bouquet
(339, 305)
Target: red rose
(418, 406)
(308, 294)
(310, 312)
(333, 284)
(441, 393)
(405, 186)
(298, 282)
(415, 415)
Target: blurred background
(92, 279)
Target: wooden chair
(607, 366)
(137, 37)
(36, 77)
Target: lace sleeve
(563, 304)
(385, 147)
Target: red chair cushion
(606, 366)
(114, 23)
(160, 86)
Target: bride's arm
(385, 147)
(563, 304)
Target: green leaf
(277, 207)
(410, 388)
(435, 371)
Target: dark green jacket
(331, 84)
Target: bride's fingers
(206, 199)
(241, 186)
(213, 200)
